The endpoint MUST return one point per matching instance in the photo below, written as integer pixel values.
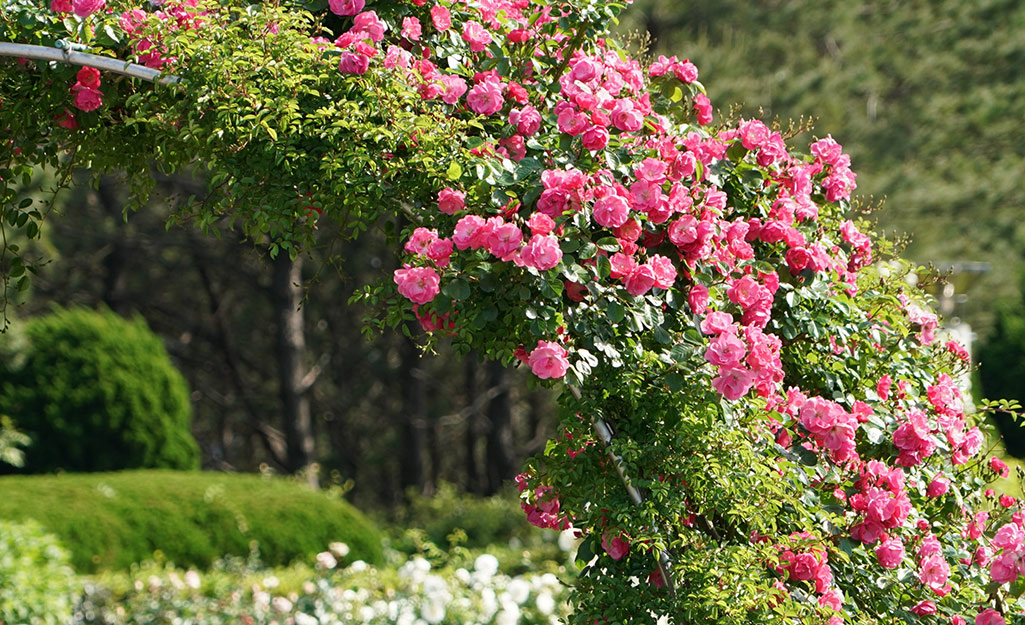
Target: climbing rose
(890, 552)
(89, 77)
(616, 546)
(476, 35)
(989, 616)
(541, 252)
(417, 284)
(353, 63)
(548, 360)
(88, 99)
(485, 98)
(60, 6)
(346, 7)
(85, 8)
(451, 201)
(411, 28)
(441, 17)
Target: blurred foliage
(1002, 373)
(927, 97)
(96, 392)
(37, 586)
(111, 520)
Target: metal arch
(65, 54)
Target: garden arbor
(778, 405)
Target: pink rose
(451, 201)
(617, 546)
(889, 553)
(1009, 536)
(640, 280)
(685, 71)
(504, 241)
(485, 98)
(542, 252)
(665, 271)
(455, 87)
(411, 28)
(733, 383)
(87, 99)
(804, 566)
(527, 120)
(934, 572)
(697, 298)
(548, 360)
(420, 241)
(89, 77)
(476, 35)
(924, 608)
(441, 17)
(61, 6)
(989, 616)
(611, 210)
(938, 487)
(1004, 568)
(346, 7)
(626, 117)
(66, 120)
(468, 232)
(725, 350)
(353, 63)
(418, 284)
(368, 22)
(703, 107)
(85, 8)
(595, 138)
(999, 466)
(716, 322)
(539, 223)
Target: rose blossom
(476, 35)
(485, 98)
(611, 211)
(889, 553)
(451, 201)
(85, 8)
(89, 77)
(346, 7)
(417, 284)
(617, 546)
(541, 252)
(989, 616)
(441, 17)
(411, 28)
(548, 360)
(87, 99)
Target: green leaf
(454, 171)
(457, 289)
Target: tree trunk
(413, 463)
(291, 348)
(475, 482)
(501, 458)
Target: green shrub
(37, 587)
(496, 520)
(97, 393)
(111, 520)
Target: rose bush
(779, 405)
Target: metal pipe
(65, 54)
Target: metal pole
(65, 54)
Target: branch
(64, 53)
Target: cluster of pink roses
(176, 14)
(812, 565)
(542, 509)
(744, 358)
(883, 503)
(88, 96)
(81, 8)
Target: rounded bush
(37, 586)
(96, 392)
(113, 520)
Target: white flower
(488, 603)
(339, 549)
(366, 614)
(261, 598)
(462, 575)
(568, 540)
(281, 604)
(433, 611)
(545, 603)
(309, 587)
(326, 561)
(435, 585)
(155, 583)
(518, 590)
(486, 564)
(357, 566)
(301, 618)
(271, 582)
(509, 616)
(192, 579)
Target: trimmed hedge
(111, 520)
(96, 392)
